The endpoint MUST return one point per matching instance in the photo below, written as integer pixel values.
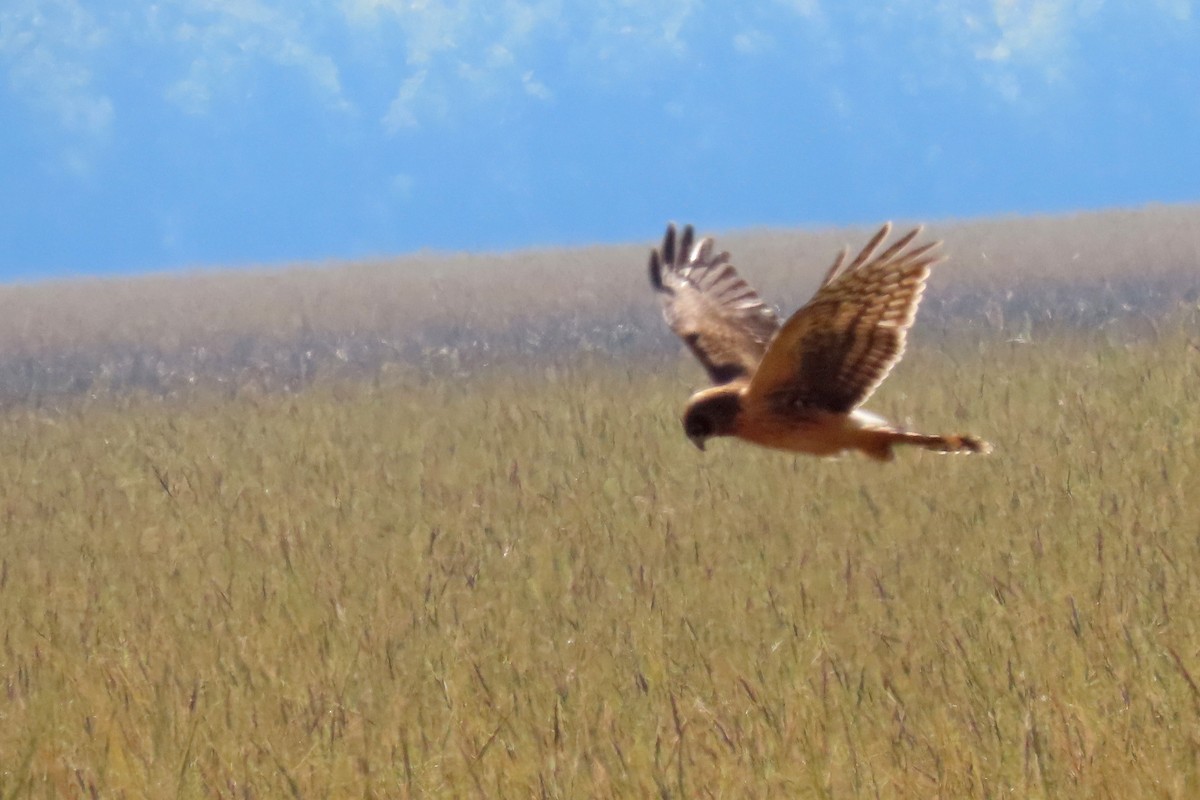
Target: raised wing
(834, 352)
(721, 319)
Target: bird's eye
(698, 425)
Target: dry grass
(525, 582)
(430, 529)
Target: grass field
(520, 580)
(530, 584)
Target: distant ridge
(284, 327)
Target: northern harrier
(798, 386)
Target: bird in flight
(798, 386)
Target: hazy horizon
(936, 226)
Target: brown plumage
(798, 386)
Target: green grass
(526, 582)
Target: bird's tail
(880, 446)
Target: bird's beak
(698, 441)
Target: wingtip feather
(871, 246)
(656, 271)
(685, 242)
(836, 269)
(668, 244)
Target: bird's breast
(799, 430)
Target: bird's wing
(834, 352)
(721, 319)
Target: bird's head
(710, 413)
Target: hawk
(798, 386)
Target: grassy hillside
(281, 329)
(510, 575)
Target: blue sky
(148, 136)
